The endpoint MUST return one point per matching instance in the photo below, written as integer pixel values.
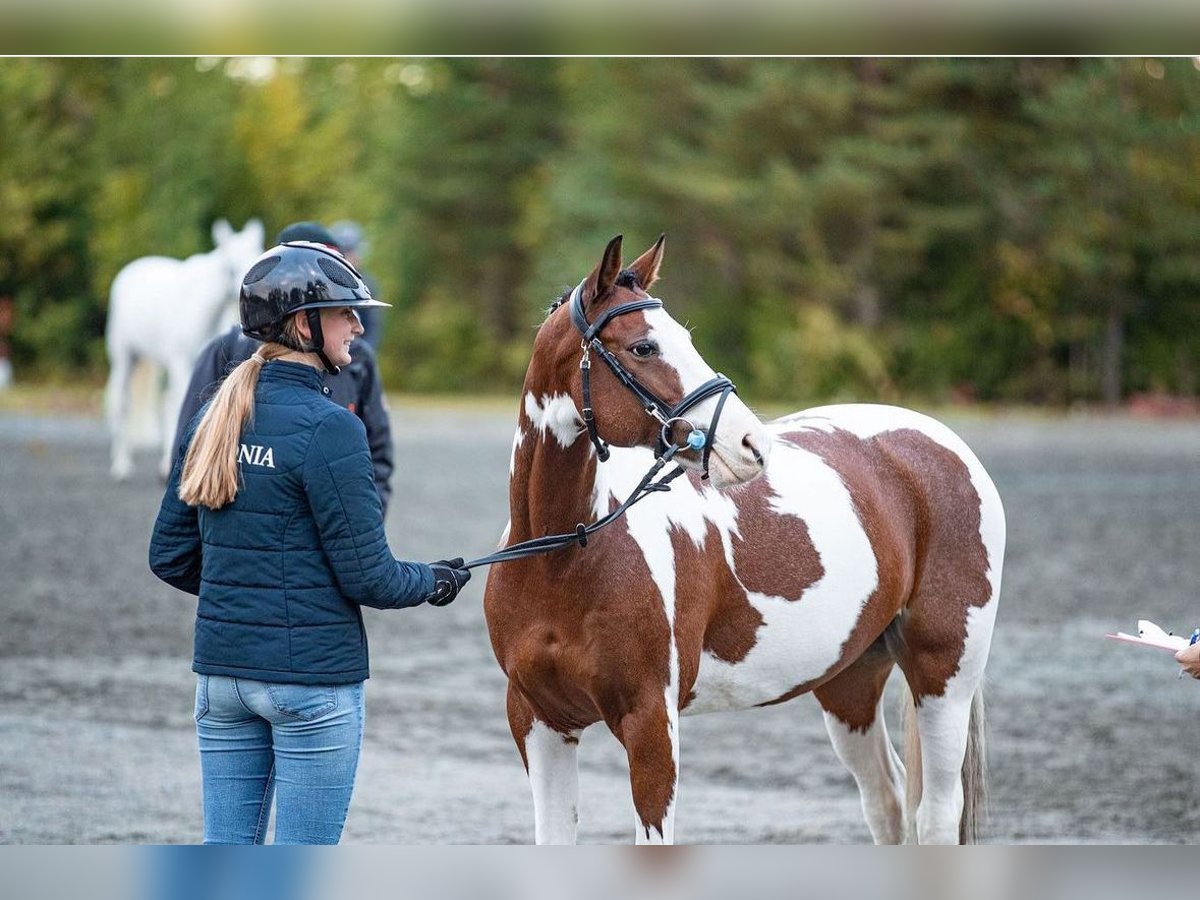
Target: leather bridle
(665, 414)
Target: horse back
(865, 513)
(160, 306)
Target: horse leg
(116, 405)
(948, 719)
(650, 736)
(551, 761)
(179, 374)
(852, 702)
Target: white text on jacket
(256, 455)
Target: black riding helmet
(299, 275)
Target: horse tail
(974, 769)
(974, 775)
(912, 762)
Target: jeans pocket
(304, 702)
(201, 698)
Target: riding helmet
(297, 275)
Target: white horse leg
(870, 757)
(945, 723)
(552, 760)
(852, 702)
(116, 405)
(179, 373)
(942, 723)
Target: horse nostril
(749, 445)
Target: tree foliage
(1012, 230)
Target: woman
(271, 516)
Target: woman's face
(340, 325)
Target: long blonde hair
(210, 469)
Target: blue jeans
(298, 742)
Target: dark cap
(307, 231)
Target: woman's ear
(302, 328)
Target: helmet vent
(337, 274)
(261, 269)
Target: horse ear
(603, 276)
(221, 231)
(645, 267)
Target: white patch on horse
(518, 440)
(737, 421)
(554, 781)
(675, 346)
(557, 414)
(799, 641)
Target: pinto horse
(164, 310)
(812, 554)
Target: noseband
(665, 414)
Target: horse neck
(213, 270)
(551, 487)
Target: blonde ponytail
(210, 469)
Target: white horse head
(165, 310)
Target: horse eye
(644, 349)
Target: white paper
(1150, 635)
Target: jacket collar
(279, 370)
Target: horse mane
(626, 278)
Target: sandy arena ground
(1090, 740)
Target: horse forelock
(626, 278)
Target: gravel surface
(1087, 738)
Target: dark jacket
(357, 387)
(282, 570)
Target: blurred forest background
(927, 230)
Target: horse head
(238, 250)
(642, 382)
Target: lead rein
(550, 542)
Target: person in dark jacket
(271, 517)
(353, 243)
(357, 387)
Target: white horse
(165, 310)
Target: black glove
(448, 578)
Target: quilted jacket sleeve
(175, 548)
(339, 480)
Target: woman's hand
(449, 577)
(1189, 658)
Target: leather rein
(665, 414)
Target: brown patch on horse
(853, 694)
(774, 553)
(921, 514)
(568, 653)
(520, 721)
(646, 737)
(711, 610)
(713, 613)
(891, 514)
(952, 573)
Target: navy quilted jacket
(282, 570)
(357, 387)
